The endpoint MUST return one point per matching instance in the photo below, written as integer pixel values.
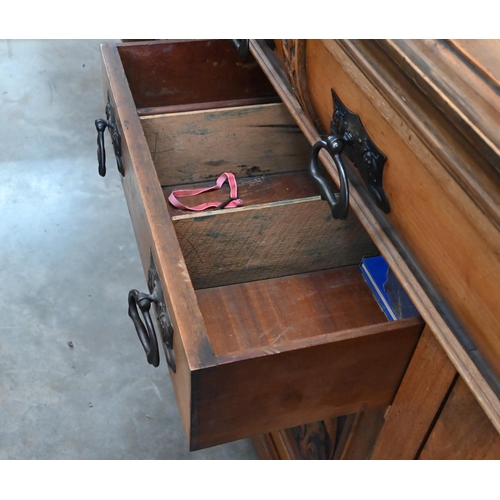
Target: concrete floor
(68, 258)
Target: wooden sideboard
(268, 328)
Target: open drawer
(262, 311)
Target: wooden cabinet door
(462, 431)
(434, 415)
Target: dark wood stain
(173, 74)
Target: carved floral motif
(294, 57)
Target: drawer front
(451, 238)
(441, 234)
(270, 330)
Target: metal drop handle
(145, 332)
(101, 125)
(334, 145)
(242, 47)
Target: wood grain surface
(266, 448)
(350, 437)
(265, 241)
(387, 103)
(172, 72)
(198, 106)
(272, 387)
(462, 431)
(155, 233)
(423, 390)
(280, 310)
(482, 55)
(247, 141)
(449, 235)
(251, 190)
(469, 97)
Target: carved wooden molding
(316, 441)
(294, 56)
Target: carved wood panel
(294, 57)
(350, 437)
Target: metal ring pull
(146, 333)
(334, 145)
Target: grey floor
(68, 258)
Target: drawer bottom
(281, 310)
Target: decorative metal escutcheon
(145, 330)
(111, 125)
(361, 150)
(162, 314)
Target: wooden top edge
(133, 43)
(483, 55)
(217, 109)
(455, 84)
(226, 211)
(172, 268)
(182, 108)
(326, 338)
(479, 181)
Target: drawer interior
(183, 75)
(295, 332)
(277, 275)
(287, 309)
(283, 227)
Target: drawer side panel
(155, 234)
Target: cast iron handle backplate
(101, 125)
(146, 333)
(162, 314)
(334, 146)
(361, 150)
